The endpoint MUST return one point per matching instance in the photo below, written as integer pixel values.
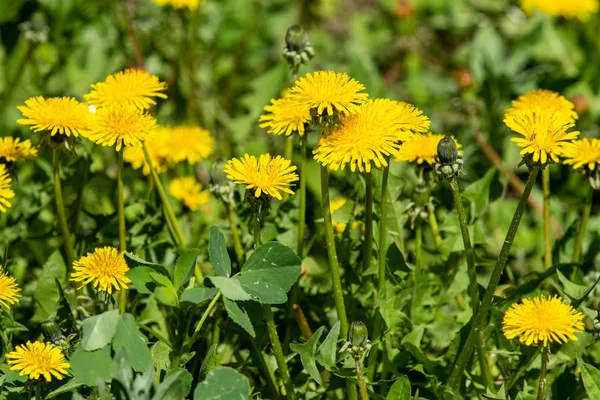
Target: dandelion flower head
(9, 290)
(542, 320)
(56, 115)
(130, 87)
(188, 143)
(12, 149)
(569, 9)
(583, 153)
(156, 149)
(264, 174)
(544, 99)
(118, 125)
(106, 267)
(189, 192)
(179, 4)
(38, 360)
(5, 190)
(285, 116)
(421, 148)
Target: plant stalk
(368, 243)
(418, 243)
(364, 394)
(547, 226)
(121, 218)
(60, 209)
(165, 200)
(278, 351)
(479, 319)
(585, 217)
(237, 242)
(204, 317)
(265, 369)
(302, 205)
(435, 230)
(543, 370)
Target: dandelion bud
(296, 39)
(217, 173)
(447, 150)
(51, 332)
(35, 31)
(358, 335)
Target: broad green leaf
(133, 262)
(209, 363)
(524, 396)
(478, 193)
(217, 253)
(88, 366)
(160, 356)
(308, 353)
(400, 390)
(591, 379)
(328, 349)
(176, 385)
(68, 387)
(46, 294)
(128, 337)
(198, 295)
(99, 330)
(63, 313)
(223, 384)
(184, 267)
(141, 279)
(239, 316)
(165, 292)
(572, 290)
(231, 288)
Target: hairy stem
(121, 218)
(418, 243)
(278, 351)
(368, 243)
(60, 210)
(435, 230)
(547, 226)
(543, 370)
(585, 217)
(302, 205)
(203, 318)
(364, 394)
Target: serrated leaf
(328, 349)
(231, 288)
(223, 384)
(198, 295)
(217, 253)
(184, 267)
(239, 316)
(99, 330)
(308, 352)
(591, 379)
(400, 390)
(165, 293)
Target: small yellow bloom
(370, 135)
(265, 174)
(188, 143)
(130, 87)
(12, 149)
(543, 319)
(189, 191)
(9, 290)
(581, 9)
(57, 115)
(179, 4)
(544, 99)
(5, 190)
(38, 360)
(544, 132)
(115, 125)
(583, 153)
(285, 116)
(156, 148)
(328, 90)
(106, 266)
(421, 148)
(334, 206)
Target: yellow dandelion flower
(106, 266)
(116, 125)
(544, 132)
(130, 87)
(156, 148)
(9, 290)
(544, 99)
(285, 116)
(57, 115)
(38, 360)
(265, 174)
(5, 190)
(542, 319)
(328, 90)
(370, 135)
(188, 143)
(583, 153)
(12, 149)
(179, 4)
(581, 9)
(334, 206)
(189, 192)
(422, 148)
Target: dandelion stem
(364, 394)
(203, 318)
(543, 370)
(302, 205)
(437, 237)
(165, 201)
(256, 222)
(121, 218)
(418, 243)
(38, 390)
(338, 294)
(400, 226)
(522, 369)
(547, 226)
(479, 319)
(237, 242)
(368, 243)
(265, 369)
(585, 217)
(60, 209)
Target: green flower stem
(121, 218)
(479, 319)
(203, 318)
(278, 351)
(60, 209)
(336, 281)
(400, 226)
(237, 242)
(543, 370)
(547, 226)
(437, 237)
(585, 217)
(522, 369)
(165, 200)
(302, 205)
(368, 243)
(418, 242)
(256, 223)
(364, 394)
(260, 359)
(38, 390)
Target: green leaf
(160, 356)
(217, 253)
(99, 330)
(133, 262)
(88, 366)
(179, 381)
(63, 313)
(573, 290)
(231, 288)
(141, 279)
(239, 316)
(198, 295)
(46, 294)
(128, 336)
(223, 384)
(308, 352)
(524, 396)
(209, 363)
(478, 193)
(184, 267)
(591, 379)
(66, 388)
(165, 292)
(400, 390)
(328, 349)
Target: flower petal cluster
(266, 174)
(5, 191)
(9, 290)
(285, 116)
(106, 267)
(56, 115)
(542, 320)
(421, 148)
(544, 99)
(582, 153)
(12, 149)
(180, 4)
(188, 143)
(156, 149)
(37, 360)
(189, 191)
(581, 9)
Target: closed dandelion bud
(358, 335)
(51, 332)
(447, 150)
(35, 31)
(296, 39)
